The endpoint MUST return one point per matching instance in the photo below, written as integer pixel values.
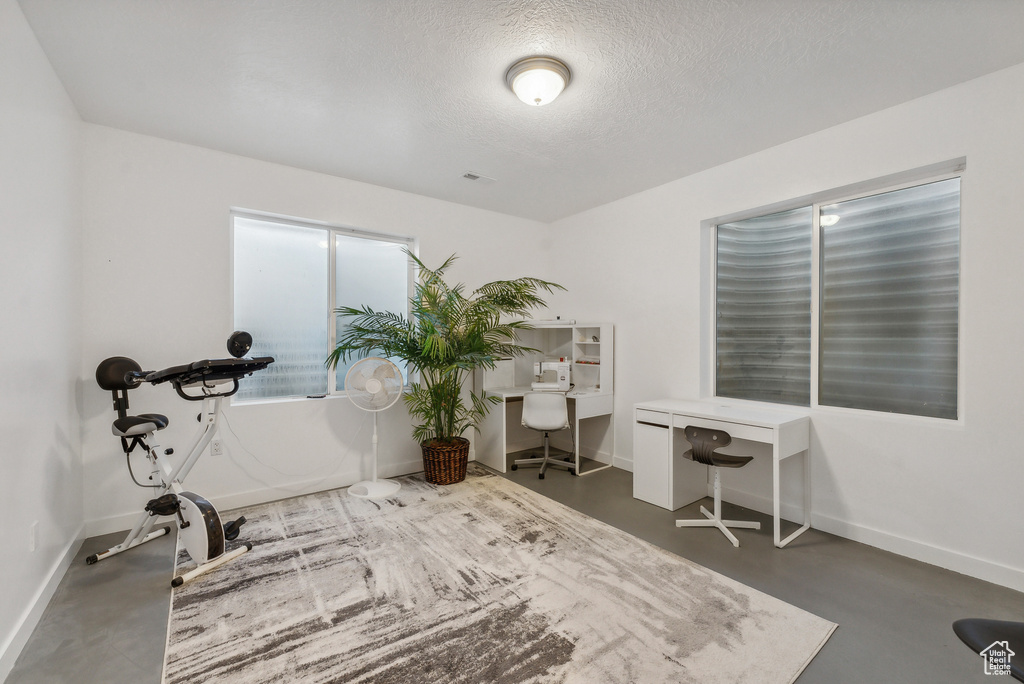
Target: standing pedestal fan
(374, 384)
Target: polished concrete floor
(107, 623)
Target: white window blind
(763, 308)
(890, 280)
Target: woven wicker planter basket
(445, 463)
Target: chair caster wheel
(573, 472)
(515, 467)
(541, 476)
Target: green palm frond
(447, 334)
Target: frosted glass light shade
(537, 80)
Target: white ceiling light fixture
(538, 80)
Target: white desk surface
(718, 410)
(513, 392)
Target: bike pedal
(167, 504)
(232, 528)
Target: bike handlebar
(206, 374)
(135, 378)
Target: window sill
(281, 400)
(293, 400)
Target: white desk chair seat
(545, 412)
(703, 442)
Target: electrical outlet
(217, 448)
(33, 536)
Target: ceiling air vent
(478, 178)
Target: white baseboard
(227, 502)
(761, 504)
(622, 463)
(989, 571)
(595, 455)
(337, 481)
(927, 553)
(10, 651)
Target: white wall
(157, 262)
(944, 492)
(40, 484)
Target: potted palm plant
(447, 334)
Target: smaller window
(289, 277)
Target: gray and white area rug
(482, 581)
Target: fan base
(374, 489)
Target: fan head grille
(373, 383)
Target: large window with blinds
(289, 276)
(886, 285)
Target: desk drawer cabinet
(661, 476)
(650, 457)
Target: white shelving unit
(592, 356)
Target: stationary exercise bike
(200, 529)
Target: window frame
(331, 230)
(709, 249)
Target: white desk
(499, 435)
(663, 477)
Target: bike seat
(142, 424)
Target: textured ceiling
(410, 94)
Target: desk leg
(807, 502)
(576, 445)
(490, 441)
(776, 503)
(579, 440)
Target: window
(288, 278)
(887, 286)
(763, 308)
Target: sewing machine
(551, 375)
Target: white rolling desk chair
(546, 412)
